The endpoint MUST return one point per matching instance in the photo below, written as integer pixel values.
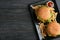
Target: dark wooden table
(15, 20)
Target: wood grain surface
(15, 20)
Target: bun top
(44, 13)
(53, 28)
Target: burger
(53, 29)
(46, 14)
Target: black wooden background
(15, 20)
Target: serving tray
(36, 22)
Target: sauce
(50, 4)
